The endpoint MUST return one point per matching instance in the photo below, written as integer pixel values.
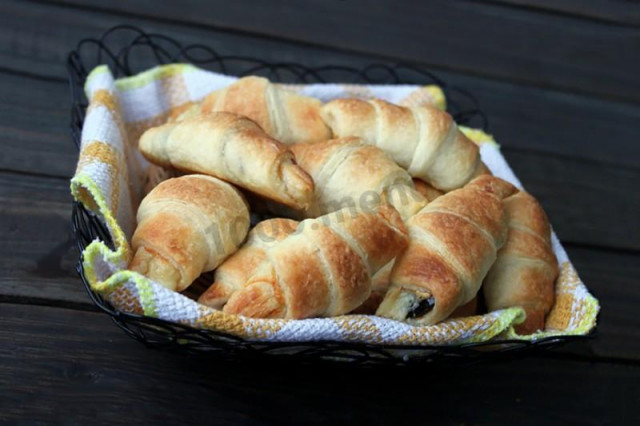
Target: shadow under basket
(128, 50)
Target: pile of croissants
(374, 208)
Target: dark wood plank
(528, 118)
(623, 12)
(59, 364)
(479, 38)
(34, 118)
(29, 45)
(587, 202)
(37, 249)
(521, 117)
(613, 279)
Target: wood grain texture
(479, 38)
(587, 202)
(29, 45)
(34, 118)
(60, 365)
(625, 12)
(613, 279)
(528, 118)
(37, 248)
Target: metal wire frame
(157, 333)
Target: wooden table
(560, 82)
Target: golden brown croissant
(482, 170)
(283, 114)
(453, 243)
(232, 148)
(349, 173)
(324, 268)
(424, 140)
(526, 268)
(430, 193)
(381, 279)
(186, 226)
(426, 190)
(379, 287)
(467, 310)
(237, 269)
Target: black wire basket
(128, 50)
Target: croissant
(324, 268)
(426, 190)
(526, 268)
(232, 148)
(467, 310)
(430, 193)
(283, 114)
(481, 170)
(237, 269)
(381, 279)
(349, 173)
(453, 243)
(379, 287)
(424, 140)
(186, 226)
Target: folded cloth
(112, 177)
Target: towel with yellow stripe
(112, 177)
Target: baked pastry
(283, 114)
(349, 173)
(453, 243)
(232, 148)
(237, 269)
(426, 190)
(526, 269)
(430, 193)
(324, 268)
(482, 170)
(424, 140)
(381, 279)
(186, 226)
(467, 310)
(379, 287)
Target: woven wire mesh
(128, 50)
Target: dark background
(560, 83)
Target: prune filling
(422, 308)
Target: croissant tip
(393, 217)
(258, 299)
(155, 267)
(214, 297)
(402, 305)
(494, 185)
(298, 184)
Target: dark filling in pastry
(423, 307)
